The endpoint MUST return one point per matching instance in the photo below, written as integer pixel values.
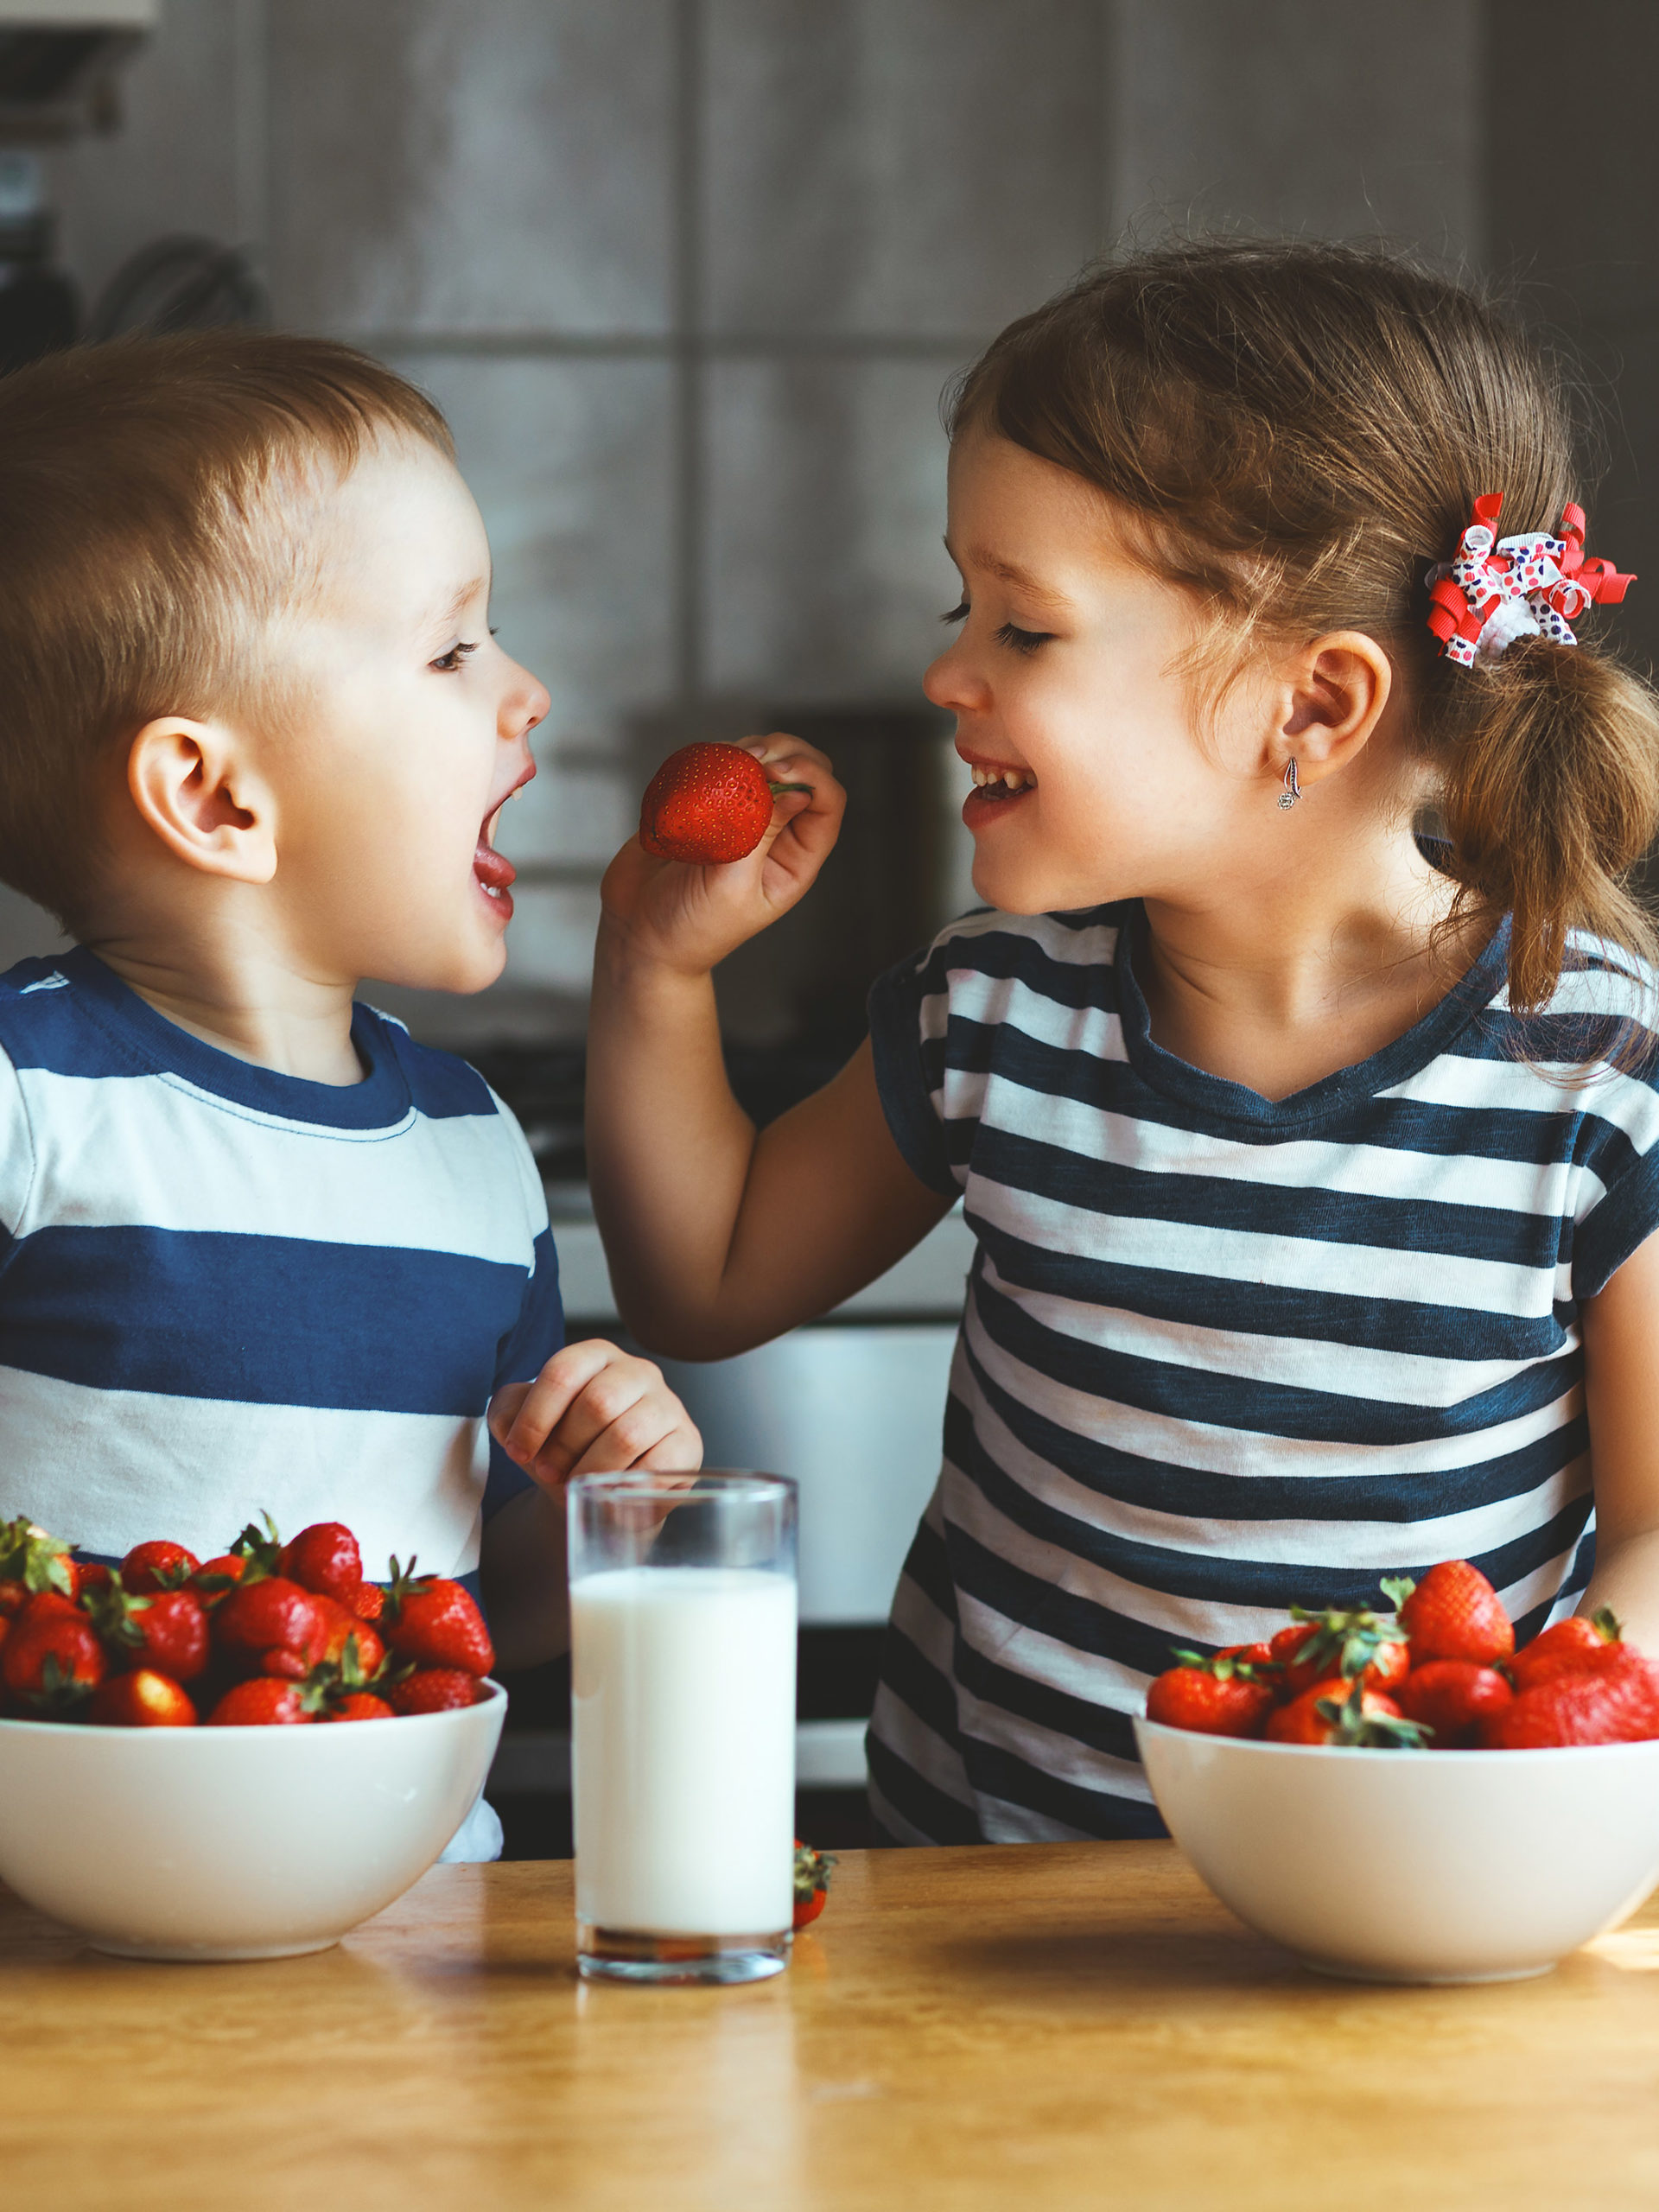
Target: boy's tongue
(495, 870)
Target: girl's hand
(593, 1410)
(688, 918)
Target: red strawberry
(52, 1660)
(34, 1560)
(325, 1559)
(1253, 1654)
(370, 1602)
(359, 1704)
(435, 1689)
(1613, 1700)
(341, 1626)
(1454, 1613)
(167, 1633)
(812, 1873)
(270, 1626)
(264, 1703)
(157, 1566)
(709, 805)
(1223, 1696)
(1344, 1712)
(1451, 1697)
(91, 1576)
(434, 1622)
(142, 1700)
(1566, 1648)
(1348, 1640)
(215, 1579)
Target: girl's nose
(951, 684)
(526, 703)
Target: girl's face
(1062, 677)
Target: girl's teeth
(1014, 780)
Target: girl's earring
(1292, 789)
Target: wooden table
(1054, 2027)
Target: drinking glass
(683, 1613)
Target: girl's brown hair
(162, 502)
(1301, 430)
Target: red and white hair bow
(1498, 589)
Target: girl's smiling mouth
(998, 787)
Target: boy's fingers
(547, 1400)
(628, 1442)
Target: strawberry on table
(1223, 1696)
(1614, 1699)
(435, 1689)
(325, 1559)
(812, 1873)
(1453, 1697)
(1567, 1649)
(142, 1699)
(709, 805)
(1454, 1613)
(434, 1622)
(1344, 1712)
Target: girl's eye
(449, 664)
(1022, 641)
(956, 613)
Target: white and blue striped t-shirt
(1221, 1354)
(223, 1290)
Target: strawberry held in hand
(709, 805)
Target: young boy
(258, 1250)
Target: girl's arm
(719, 1237)
(1621, 1380)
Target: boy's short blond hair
(158, 507)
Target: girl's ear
(192, 786)
(1339, 685)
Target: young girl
(1311, 1156)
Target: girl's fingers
(652, 1434)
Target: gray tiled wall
(689, 275)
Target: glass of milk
(683, 1611)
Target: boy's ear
(1339, 688)
(193, 785)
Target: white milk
(683, 1714)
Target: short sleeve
(536, 1337)
(1619, 1177)
(909, 1008)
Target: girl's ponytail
(1550, 797)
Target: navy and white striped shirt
(1221, 1354)
(224, 1289)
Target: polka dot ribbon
(1497, 590)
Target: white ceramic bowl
(1414, 1867)
(233, 1843)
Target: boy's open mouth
(995, 789)
(494, 872)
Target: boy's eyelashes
(1020, 641)
(449, 664)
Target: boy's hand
(688, 918)
(593, 1410)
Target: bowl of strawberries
(235, 1757)
(1397, 1794)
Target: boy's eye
(449, 664)
(956, 613)
(1022, 641)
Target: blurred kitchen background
(688, 278)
